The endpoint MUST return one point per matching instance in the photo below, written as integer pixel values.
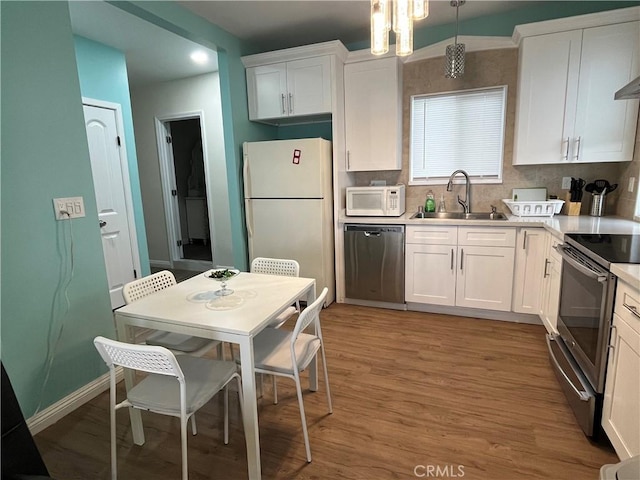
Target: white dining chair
(288, 353)
(175, 386)
(176, 342)
(278, 266)
(288, 268)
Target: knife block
(573, 208)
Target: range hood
(629, 91)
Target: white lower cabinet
(437, 287)
(454, 266)
(621, 408)
(550, 291)
(531, 246)
(485, 277)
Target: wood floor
(413, 393)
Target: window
(458, 130)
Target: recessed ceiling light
(200, 57)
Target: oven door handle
(583, 395)
(578, 266)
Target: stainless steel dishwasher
(374, 262)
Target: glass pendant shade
(404, 41)
(404, 12)
(420, 9)
(454, 67)
(379, 27)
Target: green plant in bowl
(222, 275)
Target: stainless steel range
(579, 353)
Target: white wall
(173, 99)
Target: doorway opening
(186, 193)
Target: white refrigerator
(289, 205)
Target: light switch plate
(68, 207)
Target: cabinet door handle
(524, 240)
(578, 143)
(461, 258)
(348, 160)
(632, 308)
(452, 259)
(614, 335)
(546, 265)
(290, 103)
(284, 108)
(565, 149)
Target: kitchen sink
(460, 215)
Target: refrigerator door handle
(245, 173)
(248, 217)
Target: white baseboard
(476, 313)
(68, 404)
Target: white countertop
(627, 272)
(558, 225)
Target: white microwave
(376, 201)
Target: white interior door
(109, 184)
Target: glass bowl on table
(222, 275)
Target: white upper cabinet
(566, 112)
(300, 87)
(295, 85)
(373, 115)
(267, 90)
(309, 86)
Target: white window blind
(458, 130)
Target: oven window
(580, 308)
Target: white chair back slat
(275, 266)
(146, 358)
(142, 287)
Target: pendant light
(404, 13)
(454, 67)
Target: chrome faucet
(467, 201)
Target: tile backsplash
(491, 68)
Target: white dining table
(192, 307)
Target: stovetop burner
(610, 248)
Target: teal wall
(46, 305)
(308, 130)
(102, 71)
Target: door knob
(102, 223)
